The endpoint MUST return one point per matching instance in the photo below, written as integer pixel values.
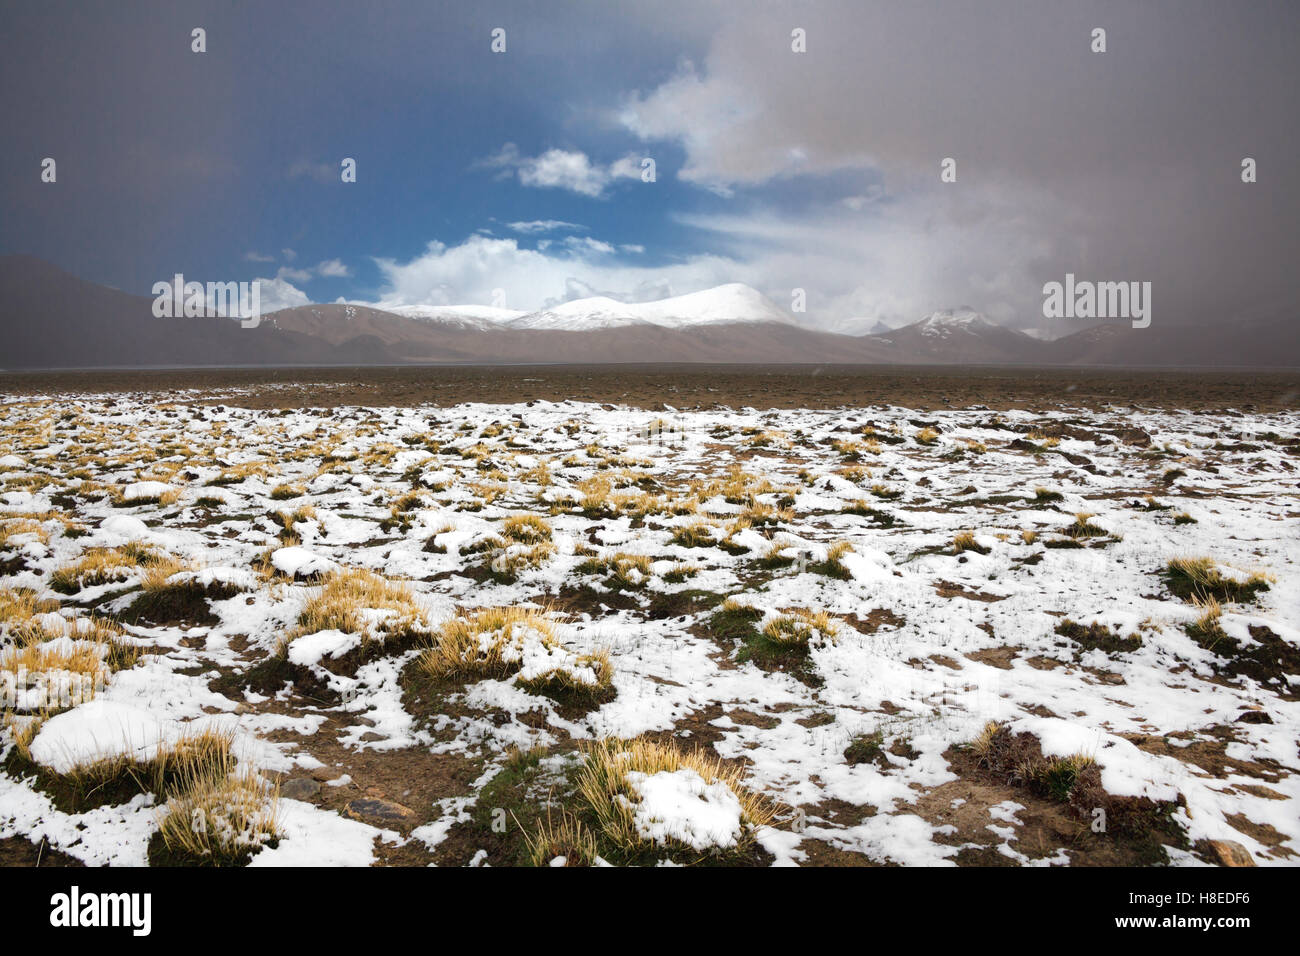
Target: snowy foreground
(798, 637)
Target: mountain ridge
(52, 319)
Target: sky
(516, 177)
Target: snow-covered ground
(926, 644)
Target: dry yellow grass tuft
(526, 529)
(216, 820)
(569, 839)
(966, 541)
(361, 602)
(604, 785)
(800, 626)
(486, 644)
(106, 565)
(500, 642)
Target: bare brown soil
(690, 386)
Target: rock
(1230, 853)
(299, 788)
(379, 812)
(1253, 716)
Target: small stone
(380, 813)
(1231, 853)
(299, 788)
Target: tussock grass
(584, 676)
(19, 604)
(625, 570)
(1020, 759)
(735, 621)
(604, 787)
(501, 642)
(17, 527)
(206, 753)
(698, 534)
(800, 627)
(885, 493)
(526, 529)
(1082, 527)
(1201, 578)
(1207, 630)
(927, 436)
(506, 565)
(965, 541)
(287, 490)
(107, 565)
(681, 571)
(213, 819)
(833, 566)
(486, 644)
(345, 597)
(235, 474)
(568, 838)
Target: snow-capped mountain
(465, 316)
(959, 321)
(733, 302)
(961, 335)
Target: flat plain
(693, 614)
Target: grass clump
(1082, 527)
(784, 642)
(966, 541)
(525, 529)
(882, 519)
(698, 534)
(502, 642)
(614, 776)
(568, 842)
(109, 565)
(1096, 636)
(625, 571)
(1196, 579)
(356, 601)
(216, 819)
(832, 566)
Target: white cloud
(332, 269)
(279, 293)
(534, 226)
(570, 170)
(293, 275)
(470, 272)
(257, 257)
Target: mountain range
(51, 319)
